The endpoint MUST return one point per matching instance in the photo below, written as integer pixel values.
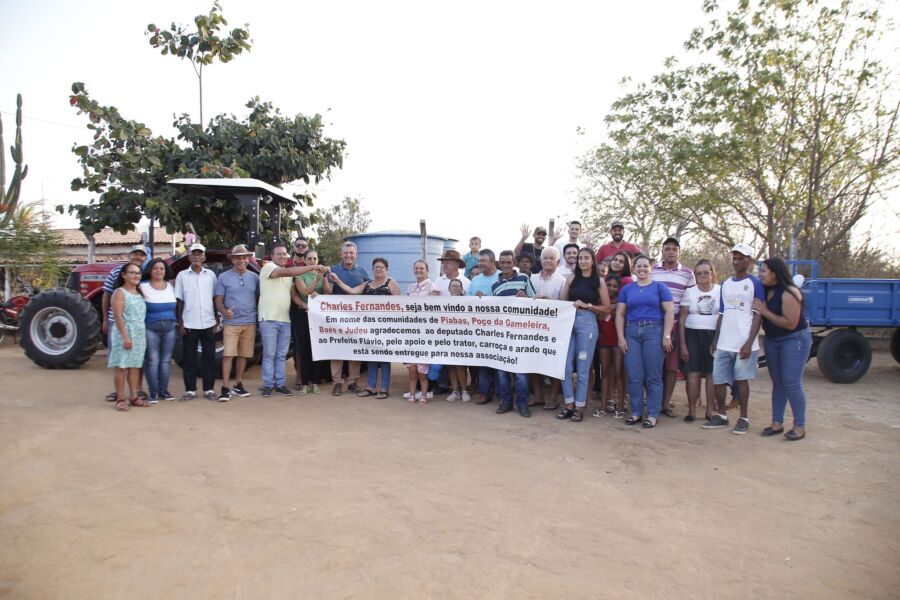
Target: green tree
(31, 245)
(128, 167)
(201, 46)
(783, 115)
(337, 223)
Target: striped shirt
(677, 280)
(512, 286)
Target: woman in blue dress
(128, 342)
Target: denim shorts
(729, 367)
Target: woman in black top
(587, 291)
(382, 285)
(788, 341)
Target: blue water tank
(401, 249)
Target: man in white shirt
(569, 256)
(547, 284)
(735, 345)
(197, 321)
(451, 263)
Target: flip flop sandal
(689, 418)
(633, 420)
(649, 424)
(111, 397)
(668, 412)
(382, 395)
(597, 412)
(140, 402)
(793, 436)
(619, 415)
(122, 405)
(366, 393)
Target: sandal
(650, 423)
(689, 418)
(578, 415)
(633, 420)
(382, 395)
(138, 401)
(112, 397)
(122, 405)
(769, 431)
(565, 413)
(549, 405)
(366, 393)
(793, 436)
(668, 412)
(598, 412)
(620, 414)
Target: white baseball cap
(197, 246)
(744, 249)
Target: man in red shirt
(617, 232)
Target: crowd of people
(638, 323)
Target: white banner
(519, 335)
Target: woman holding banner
(382, 285)
(587, 291)
(419, 372)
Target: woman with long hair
(308, 285)
(620, 264)
(612, 366)
(160, 323)
(128, 341)
(645, 314)
(696, 330)
(587, 291)
(787, 345)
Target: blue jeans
(385, 369)
(581, 349)
(276, 339)
(505, 391)
(487, 381)
(644, 366)
(786, 360)
(158, 361)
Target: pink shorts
(422, 369)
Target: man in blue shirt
(511, 283)
(352, 274)
(235, 297)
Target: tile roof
(75, 237)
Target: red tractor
(60, 328)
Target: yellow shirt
(274, 295)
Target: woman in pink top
(419, 372)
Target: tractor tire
(59, 329)
(844, 356)
(895, 345)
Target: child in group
(611, 363)
(471, 257)
(457, 372)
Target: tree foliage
(128, 167)
(31, 246)
(783, 114)
(337, 223)
(203, 45)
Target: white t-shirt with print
(703, 307)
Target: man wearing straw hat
(237, 291)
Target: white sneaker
(418, 396)
(428, 396)
(453, 397)
(466, 397)
(406, 395)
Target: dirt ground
(325, 497)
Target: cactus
(9, 197)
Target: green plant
(9, 196)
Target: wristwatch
(667, 337)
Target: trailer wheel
(895, 345)
(59, 329)
(844, 356)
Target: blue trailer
(843, 304)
